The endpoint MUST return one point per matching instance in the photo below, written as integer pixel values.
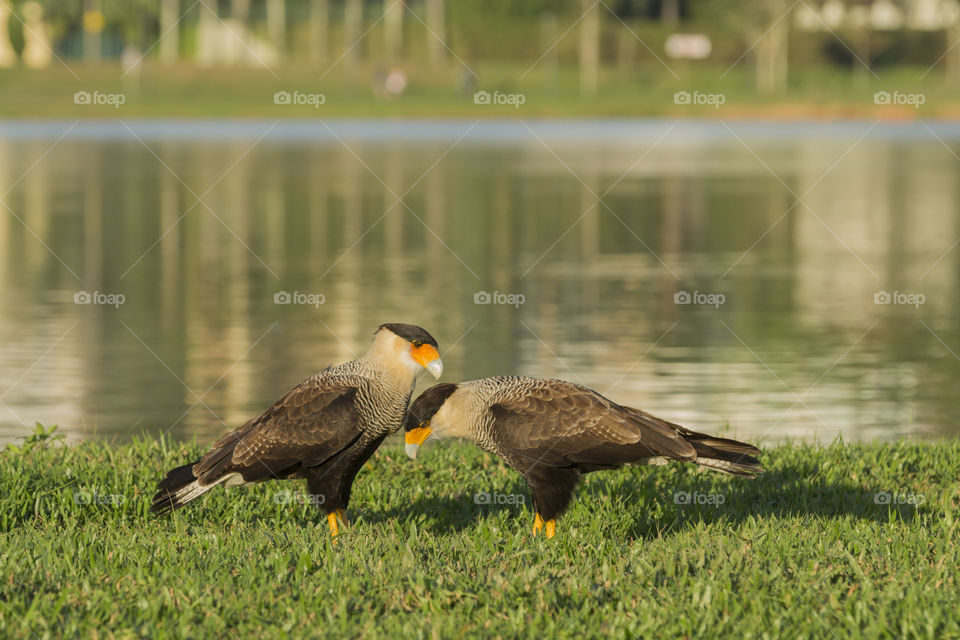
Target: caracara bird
(324, 429)
(552, 431)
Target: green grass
(803, 551)
(642, 91)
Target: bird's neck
(390, 360)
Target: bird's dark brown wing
(311, 423)
(559, 423)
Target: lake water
(786, 240)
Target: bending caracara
(552, 431)
(324, 429)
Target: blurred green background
(427, 58)
(600, 159)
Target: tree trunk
(8, 57)
(670, 12)
(277, 25)
(170, 30)
(771, 58)
(548, 38)
(240, 11)
(437, 34)
(589, 47)
(91, 32)
(953, 56)
(319, 30)
(392, 29)
(352, 21)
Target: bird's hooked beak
(426, 356)
(416, 437)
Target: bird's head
(422, 419)
(412, 345)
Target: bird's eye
(418, 343)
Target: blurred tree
(436, 32)
(670, 12)
(589, 46)
(8, 57)
(502, 28)
(92, 28)
(392, 28)
(59, 16)
(319, 30)
(240, 11)
(763, 26)
(352, 22)
(132, 19)
(277, 25)
(169, 31)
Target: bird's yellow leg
(334, 525)
(551, 527)
(537, 523)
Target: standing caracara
(552, 431)
(324, 429)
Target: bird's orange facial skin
(417, 435)
(424, 354)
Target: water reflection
(597, 225)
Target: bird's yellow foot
(333, 521)
(549, 525)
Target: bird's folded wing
(559, 422)
(313, 421)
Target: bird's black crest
(410, 332)
(429, 402)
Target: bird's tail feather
(177, 489)
(723, 454)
